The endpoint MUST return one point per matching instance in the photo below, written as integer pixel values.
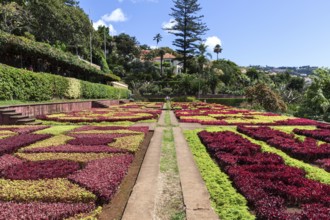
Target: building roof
(167, 56)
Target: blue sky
(251, 32)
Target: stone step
(18, 117)
(24, 121)
(5, 110)
(11, 114)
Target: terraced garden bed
(68, 171)
(260, 165)
(121, 113)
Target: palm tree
(158, 38)
(202, 55)
(217, 49)
(161, 53)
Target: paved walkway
(141, 204)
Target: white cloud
(99, 23)
(115, 16)
(120, 0)
(211, 42)
(112, 30)
(169, 24)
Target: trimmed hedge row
(225, 101)
(20, 84)
(11, 46)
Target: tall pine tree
(188, 27)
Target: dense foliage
(41, 57)
(29, 86)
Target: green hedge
(12, 46)
(20, 84)
(225, 101)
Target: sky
(251, 32)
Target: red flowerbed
(23, 129)
(8, 160)
(324, 163)
(320, 134)
(103, 176)
(40, 210)
(308, 150)
(271, 187)
(76, 149)
(33, 170)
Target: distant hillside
(300, 71)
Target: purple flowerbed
(92, 140)
(308, 150)
(103, 176)
(324, 126)
(11, 144)
(23, 129)
(8, 160)
(320, 134)
(42, 211)
(76, 149)
(271, 189)
(33, 170)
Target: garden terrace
(58, 172)
(216, 114)
(127, 112)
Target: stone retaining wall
(33, 110)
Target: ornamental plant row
(270, 186)
(11, 144)
(216, 114)
(320, 134)
(307, 150)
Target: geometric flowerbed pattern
(62, 172)
(279, 164)
(128, 112)
(273, 189)
(216, 114)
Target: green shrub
(20, 84)
(99, 91)
(73, 91)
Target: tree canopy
(188, 27)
